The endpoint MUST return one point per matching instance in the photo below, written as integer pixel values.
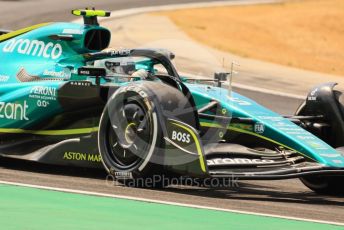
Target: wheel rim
(129, 135)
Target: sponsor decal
(283, 124)
(181, 137)
(317, 145)
(332, 155)
(135, 89)
(236, 161)
(61, 74)
(239, 101)
(4, 78)
(43, 90)
(314, 92)
(122, 52)
(14, 111)
(42, 103)
(297, 129)
(312, 96)
(306, 137)
(271, 118)
(294, 133)
(80, 83)
(123, 175)
(82, 157)
(34, 48)
(259, 128)
(85, 72)
(337, 161)
(44, 94)
(72, 31)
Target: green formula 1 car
(66, 99)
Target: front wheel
(129, 138)
(326, 185)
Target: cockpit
(133, 65)
(130, 68)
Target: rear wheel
(129, 138)
(326, 185)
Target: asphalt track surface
(287, 197)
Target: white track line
(164, 202)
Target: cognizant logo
(14, 111)
(34, 48)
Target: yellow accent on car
(91, 13)
(198, 145)
(50, 132)
(21, 31)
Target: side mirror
(221, 77)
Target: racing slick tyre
(130, 137)
(325, 185)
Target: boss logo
(181, 137)
(84, 72)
